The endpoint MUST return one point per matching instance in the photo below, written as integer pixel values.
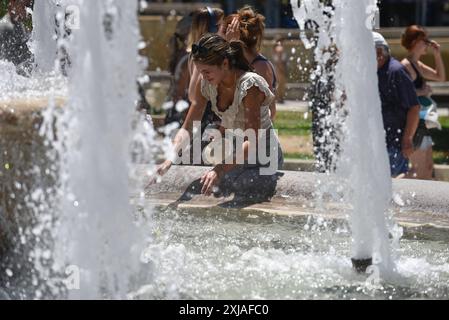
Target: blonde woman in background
(205, 20)
(186, 77)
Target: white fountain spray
(77, 206)
(363, 162)
(98, 234)
(44, 37)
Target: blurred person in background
(205, 20)
(179, 69)
(280, 60)
(400, 107)
(416, 40)
(248, 26)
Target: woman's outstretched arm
(195, 113)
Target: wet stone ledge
(415, 203)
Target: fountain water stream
(98, 221)
(363, 162)
(81, 196)
(92, 234)
(44, 38)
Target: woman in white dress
(241, 99)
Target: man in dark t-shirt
(400, 107)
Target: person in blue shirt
(400, 107)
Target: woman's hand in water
(210, 180)
(160, 171)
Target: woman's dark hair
(213, 50)
(412, 35)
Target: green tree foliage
(3, 7)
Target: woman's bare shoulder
(405, 62)
(408, 66)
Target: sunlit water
(41, 85)
(83, 215)
(199, 254)
(97, 232)
(77, 217)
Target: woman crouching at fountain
(242, 100)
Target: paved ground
(293, 106)
(444, 112)
(296, 144)
(303, 106)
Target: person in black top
(415, 39)
(400, 107)
(248, 26)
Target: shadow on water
(243, 188)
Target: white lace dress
(234, 116)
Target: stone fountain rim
(416, 203)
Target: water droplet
(181, 105)
(143, 5)
(142, 45)
(46, 254)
